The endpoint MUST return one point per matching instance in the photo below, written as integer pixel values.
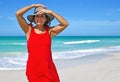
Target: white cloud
(95, 23)
(113, 12)
(11, 18)
(100, 23)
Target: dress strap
(33, 31)
(46, 27)
(31, 24)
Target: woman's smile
(39, 21)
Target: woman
(40, 66)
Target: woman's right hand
(37, 5)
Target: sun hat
(31, 17)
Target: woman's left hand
(42, 11)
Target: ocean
(13, 49)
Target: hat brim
(31, 17)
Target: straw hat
(31, 17)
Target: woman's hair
(48, 22)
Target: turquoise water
(13, 51)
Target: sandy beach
(104, 70)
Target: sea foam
(81, 42)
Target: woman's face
(40, 19)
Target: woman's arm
(19, 15)
(58, 28)
(22, 22)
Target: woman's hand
(37, 5)
(44, 10)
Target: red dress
(40, 66)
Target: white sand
(12, 76)
(105, 70)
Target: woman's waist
(38, 43)
(38, 62)
(39, 59)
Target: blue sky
(85, 17)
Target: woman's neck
(40, 27)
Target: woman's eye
(41, 16)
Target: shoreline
(103, 70)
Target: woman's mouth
(39, 21)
